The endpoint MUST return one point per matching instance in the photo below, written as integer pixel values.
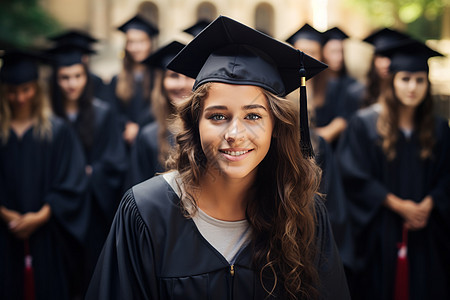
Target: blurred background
(26, 23)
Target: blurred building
(278, 18)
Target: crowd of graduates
(68, 152)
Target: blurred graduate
(395, 163)
(130, 90)
(42, 185)
(95, 124)
(154, 142)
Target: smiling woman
(235, 135)
(236, 217)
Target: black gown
(137, 109)
(144, 162)
(341, 100)
(108, 160)
(100, 89)
(335, 201)
(34, 172)
(368, 177)
(154, 252)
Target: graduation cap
(74, 36)
(138, 22)
(195, 29)
(161, 58)
(68, 54)
(384, 38)
(229, 52)
(306, 32)
(20, 66)
(334, 34)
(409, 55)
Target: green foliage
(23, 21)
(421, 18)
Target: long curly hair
(281, 212)
(40, 111)
(387, 124)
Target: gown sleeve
(109, 167)
(125, 268)
(68, 182)
(333, 283)
(115, 103)
(144, 156)
(357, 162)
(335, 202)
(441, 173)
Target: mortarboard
(197, 27)
(68, 54)
(384, 38)
(409, 55)
(334, 34)
(138, 22)
(20, 66)
(230, 52)
(306, 32)
(161, 58)
(74, 36)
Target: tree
(421, 18)
(22, 22)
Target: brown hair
(40, 111)
(387, 124)
(281, 211)
(164, 111)
(126, 83)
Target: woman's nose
(235, 132)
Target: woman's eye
(253, 117)
(217, 117)
(420, 80)
(406, 79)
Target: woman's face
(382, 64)
(138, 45)
(72, 81)
(410, 88)
(333, 54)
(177, 86)
(21, 96)
(235, 128)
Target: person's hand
(130, 132)
(28, 223)
(8, 215)
(414, 215)
(425, 207)
(88, 170)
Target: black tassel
(305, 139)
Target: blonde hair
(41, 112)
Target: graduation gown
(144, 162)
(368, 177)
(335, 201)
(137, 109)
(340, 100)
(99, 87)
(34, 172)
(108, 160)
(154, 252)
